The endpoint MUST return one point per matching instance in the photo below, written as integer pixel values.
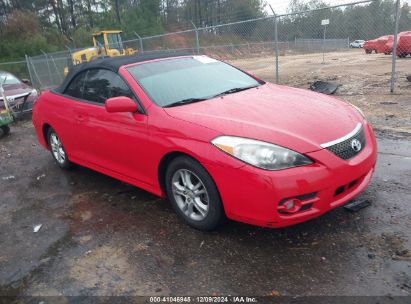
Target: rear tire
(57, 150)
(5, 130)
(194, 195)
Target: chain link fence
(47, 70)
(322, 47)
(294, 49)
(17, 68)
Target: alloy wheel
(190, 194)
(57, 149)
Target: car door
(62, 112)
(113, 141)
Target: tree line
(365, 22)
(48, 25)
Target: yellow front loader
(106, 44)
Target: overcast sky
(280, 6)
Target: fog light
(290, 206)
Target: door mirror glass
(121, 104)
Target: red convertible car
(219, 142)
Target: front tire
(57, 150)
(5, 130)
(193, 194)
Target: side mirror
(121, 104)
(25, 81)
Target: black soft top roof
(114, 64)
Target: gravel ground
(364, 79)
(101, 237)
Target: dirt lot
(102, 237)
(364, 79)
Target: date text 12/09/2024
(221, 299)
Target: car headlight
(33, 93)
(260, 154)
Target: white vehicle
(358, 44)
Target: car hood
(16, 89)
(298, 119)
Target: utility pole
(277, 64)
(197, 38)
(141, 42)
(394, 50)
(325, 22)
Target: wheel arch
(168, 159)
(165, 162)
(45, 129)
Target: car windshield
(189, 79)
(7, 78)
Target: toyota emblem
(356, 145)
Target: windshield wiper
(184, 102)
(236, 90)
(194, 100)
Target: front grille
(345, 149)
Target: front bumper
(21, 105)
(252, 195)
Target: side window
(100, 40)
(76, 86)
(103, 84)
